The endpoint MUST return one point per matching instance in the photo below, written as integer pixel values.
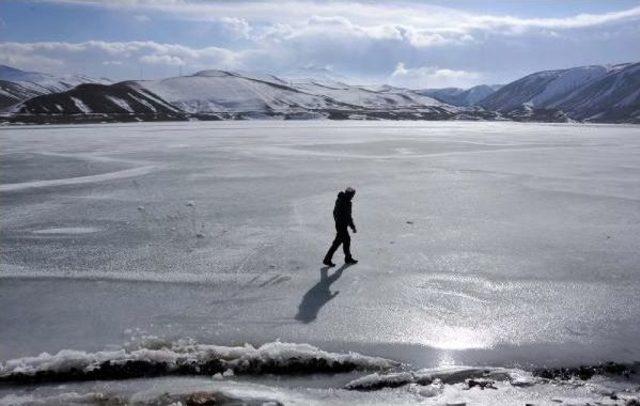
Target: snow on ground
(188, 356)
(121, 103)
(317, 390)
(490, 245)
(80, 105)
(143, 102)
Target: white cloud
(576, 21)
(162, 60)
(53, 55)
(238, 26)
(432, 77)
(30, 62)
(416, 15)
(373, 36)
(363, 40)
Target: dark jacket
(342, 211)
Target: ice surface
(126, 173)
(481, 244)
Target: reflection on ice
(458, 338)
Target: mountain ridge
(593, 93)
(17, 85)
(461, 97)
(602, 93)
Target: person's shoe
(350, 261)
(328, 262)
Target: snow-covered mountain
(592, 93)
(17, 85)
(542, 89)
(367, 97)
(122, 100)
(461, 97)
(216, 91)
(13, 92)
(614, 97)
(216, 94)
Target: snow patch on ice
(67, 230)
(126, 173)
(61, 399)
(158, 358)
(447, 375)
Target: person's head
(349, 192)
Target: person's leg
(334, 246)
(346, 244)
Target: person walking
(343, 220)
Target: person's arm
(353, 226)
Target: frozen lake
(479, 243)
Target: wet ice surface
(480, 243)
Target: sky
(416, 44)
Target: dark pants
(342, 237)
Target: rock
(586, 372)
(481, 383)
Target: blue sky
(408, 43)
